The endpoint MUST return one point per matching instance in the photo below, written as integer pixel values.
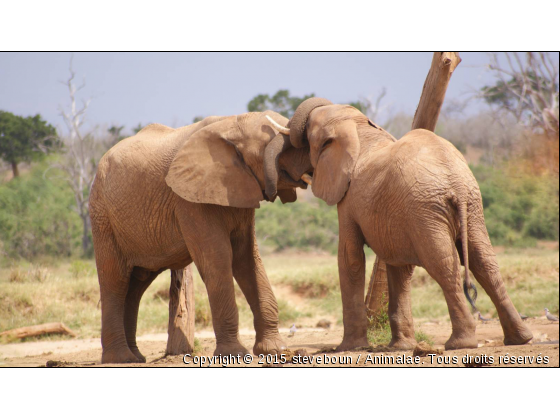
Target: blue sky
(173, 88)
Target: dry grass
(306, 286)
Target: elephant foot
(352, 343)
(403, 343)
(233, 349)
(121, 355)
(138, 355)
(456, 342)
(522, 336)
(272, 345)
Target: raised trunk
(15, 169)
(426, 116)
(181, 312)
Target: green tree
(360, 106)
(280, 102)
(25, 139)
(526, 88)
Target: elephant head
(334, 135)
(223, 159)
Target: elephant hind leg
(483, 264)
(400, 313)
(440, 258)
(140, 280)
(114, 278)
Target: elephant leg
(439, 257)
(250, 275)
(140, 280)
(218, 278)
(114, 277)
(483, 264)
(212, 254)
(400, 312)
(351, 271)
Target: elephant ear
(336, 163)
(210, 169)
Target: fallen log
(35, 330)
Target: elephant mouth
(304, 180)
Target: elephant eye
(327, 143)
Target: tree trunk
(85, 234)
(426, 116)
(15, 169)
(377, 296)
(433, 92)
(181, 312)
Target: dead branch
(533, 84)
(433, 92)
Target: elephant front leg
(400, 312)
(216, 273)
(225, 318)
(351, 269)
(251, 277)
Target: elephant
(166, 197)
(414, 202)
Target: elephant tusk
(308, 179)
(280, 128)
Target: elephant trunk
(298, 122)
(277, 145)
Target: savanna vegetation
(305, 284)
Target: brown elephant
(167, 197)
(414, 202)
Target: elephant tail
(468, 285)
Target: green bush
(303, 225)
(36, 216)
(519, 208)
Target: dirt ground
(315, 343)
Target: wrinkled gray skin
(167, 197)
(414, 202)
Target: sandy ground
(315, 343)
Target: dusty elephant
(414, 202)
(166, 197)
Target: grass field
(306, 286)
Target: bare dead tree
(79, 163)
(527, 88)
